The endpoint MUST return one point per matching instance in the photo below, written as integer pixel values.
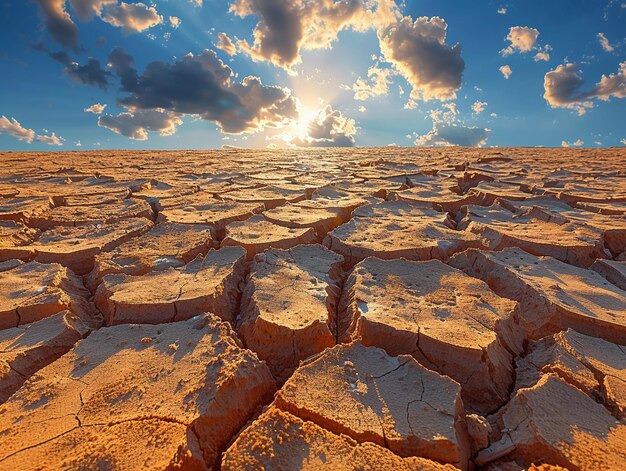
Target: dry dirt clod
(281, 441)
(113, 399)
(28, 348)
(398, 229)
(92, 214)
(13, 236)
(372, 397)
(269, 196)
(571, 242)
(321, 217)
(553, 295)
(555, 422)
(593, 365)
(437, 192)
(77, 247)
(486, 192)
(612, 228)
(289, 305)
(257, 235)
(612, 270)
(165, 245)
(206, 209)
(21, 208)
(447, 320)
(33, 291)
(206, 284)
(604, 208)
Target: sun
(306, 115)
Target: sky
(209, 74)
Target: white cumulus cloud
(506, 71)
(521, 38)
(96, 108)
(12, 127)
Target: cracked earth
(357, 309)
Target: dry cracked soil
(338, 309)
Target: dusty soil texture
(339, 309)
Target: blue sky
(309, 56)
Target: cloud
(226, 44)
(329, 128)
(175, 21)
(136, 124)
(203, 85)
(96, 108)
(446, 134)
(448, 113)
(52, 140)
(501, 11)
(563, 88)
(478, 107)
(576, 143)
(522, 39)
(543, 53)
(285, 27)
(613, 85)
(604, 42)
(58, 22)
(14, 128)
(362, 109)
(418, 51)
(132, 17)
(85, 10)
(376, 84)
(196, 3)
(506, 71)
(448, 131)
(88, 74)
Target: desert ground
(363, 308)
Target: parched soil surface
(319, 309)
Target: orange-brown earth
(340, 309)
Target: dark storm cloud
(132, 17)
(58, 22)
(279, 32)
(564, 88)
(90, 73)
(203, 85)
(419, 51)
(285, 27)
(122, 65)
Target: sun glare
(306, 116)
